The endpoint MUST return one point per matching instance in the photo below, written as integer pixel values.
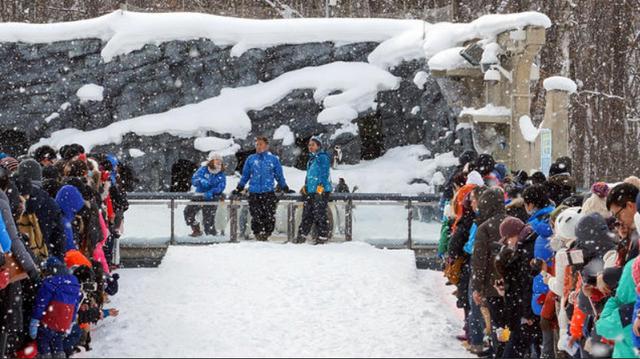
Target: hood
(114, 163)
(475, 178)
(70, 200)
(490, 204)
(593, 237)
(539, 221)
(55, 266)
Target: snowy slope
(270, 300)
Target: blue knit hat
(3, 155)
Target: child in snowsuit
(55, 310)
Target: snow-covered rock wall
(41, 80)
(175, 86)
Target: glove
(320, 189)
(33, 328)
(288, 190)
(237, 191)
(34, 275)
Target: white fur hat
(214, 156)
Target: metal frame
(236, 202)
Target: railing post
(291, 221)
(233, 222)
(409, 223)
(348, 221)
(172, 240)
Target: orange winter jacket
(458, 207)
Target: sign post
(546, 150)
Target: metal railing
(234, 204)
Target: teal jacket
(617, 316)
(318, 170)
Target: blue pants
(49, 341)
(476, 321)
(72, 340)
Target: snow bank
(90, 92)
(393, 172)
(272, 300)
(285, 134)
(528, 130)
(560, 83)
(357, 83)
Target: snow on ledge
(90, 92)
(357, 84)
(449, 59)
(560, 83)
(488, 110)
(124, 32)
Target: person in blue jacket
(316, 193)
(211, 181)
(261, 171)
(71, 202)
(538, 205)
(55, 310)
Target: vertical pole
(291, 221)
(233, 225)
(326, 8)
(173, 222)
(409, 222)
(348, 225)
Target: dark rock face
(38, 85)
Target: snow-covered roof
(124, 31)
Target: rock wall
(38, 84)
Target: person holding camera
(316, 193)
(261, 171)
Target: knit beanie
(600, 189)
(593, 236)
(511, 227)
(9, 163)
(31, 169)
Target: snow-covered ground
(273, 300)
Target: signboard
(546, 150)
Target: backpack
(28, 224)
